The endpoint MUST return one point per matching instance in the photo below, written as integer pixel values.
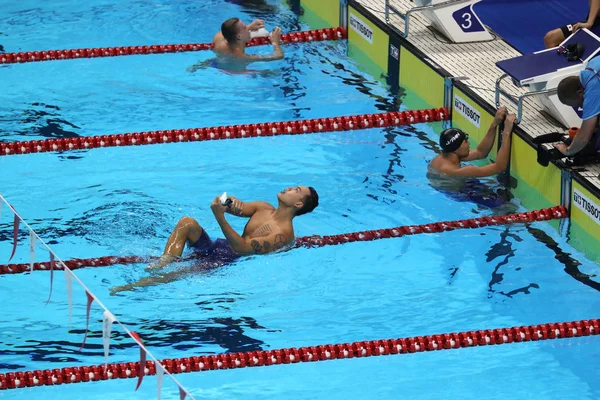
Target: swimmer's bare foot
(161, 262)
(117, 289)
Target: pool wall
(393, 60)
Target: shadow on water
(227, 333)
(504, 250)
(256, 8)
(146, 220)
(571, 265)
(39, 120)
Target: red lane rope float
(447, 341)
(47, 55)
(307, 126)
(544, 214)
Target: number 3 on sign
(466, 24)
(467, 20)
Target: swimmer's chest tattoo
(262, 231)
(266, 246)
(279, 242)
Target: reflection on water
(229, 334)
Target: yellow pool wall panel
(320, 14)
(418, 77)
(367, 44)
(537, 186)
(585, 222)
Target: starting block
(455, 19)
(542, 71)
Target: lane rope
(108, 317)
(544, 214)
(48, 55)
(436, 342)
(306, 126)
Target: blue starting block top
(540, 66)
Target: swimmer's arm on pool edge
(484, 148)
(242, 209)
(495, 167)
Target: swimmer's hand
(275, 36)
(509, 123)
(217, 207)
(161, 262)
(500, 115)
(256, 25)
(234, 206)
(200, 65)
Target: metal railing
(406, 16)
(518, 101)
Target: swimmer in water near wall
(230, 45)
(447, 174)
(269, 230)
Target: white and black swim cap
(451, 139)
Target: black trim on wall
(393, 74)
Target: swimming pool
(121, 201)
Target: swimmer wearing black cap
(455, 149)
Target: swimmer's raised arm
(256, 24)
(488, 140)
(275, 37)
(490, 169)
(246, 209)
(276, 239)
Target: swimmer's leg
(188, 231)
(149, 281)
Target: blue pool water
(122, 201)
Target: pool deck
(477, 62)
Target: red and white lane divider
(444, 341)
(47, 55)
(306, 126)
(284, 356)
(108, 317)
(545, 214)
